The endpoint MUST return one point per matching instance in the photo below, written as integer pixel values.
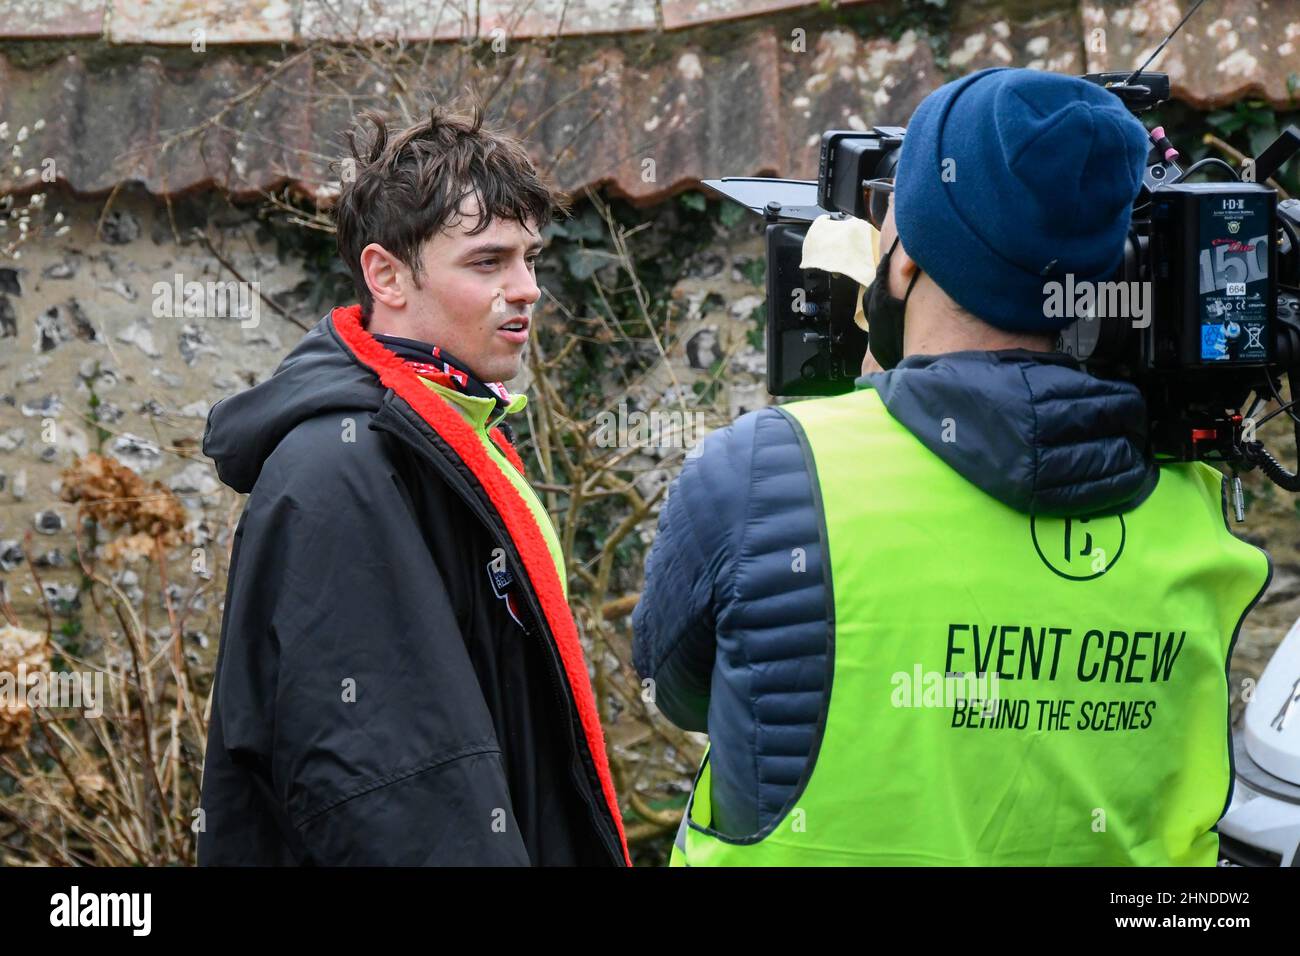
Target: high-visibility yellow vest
(1007, 689)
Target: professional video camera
(1222, 260)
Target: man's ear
(902, 268)
(386, 276)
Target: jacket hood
(320, 375)
(1032, 429)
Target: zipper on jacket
(600, 811)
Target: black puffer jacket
(375, 702)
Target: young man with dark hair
(400, 680)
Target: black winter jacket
(375, 702)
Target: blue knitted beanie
(1010, 179)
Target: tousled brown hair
(409, 184)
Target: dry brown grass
(120, 789)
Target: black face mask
(885, 314)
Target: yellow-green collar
(478, 410)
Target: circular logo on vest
(1078, 548)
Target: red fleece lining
(519, 522)
(507, 449)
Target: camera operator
(958, 616)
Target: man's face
(476, 293)
(888, 233)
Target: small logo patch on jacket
(501, 578)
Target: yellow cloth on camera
(847, 246)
